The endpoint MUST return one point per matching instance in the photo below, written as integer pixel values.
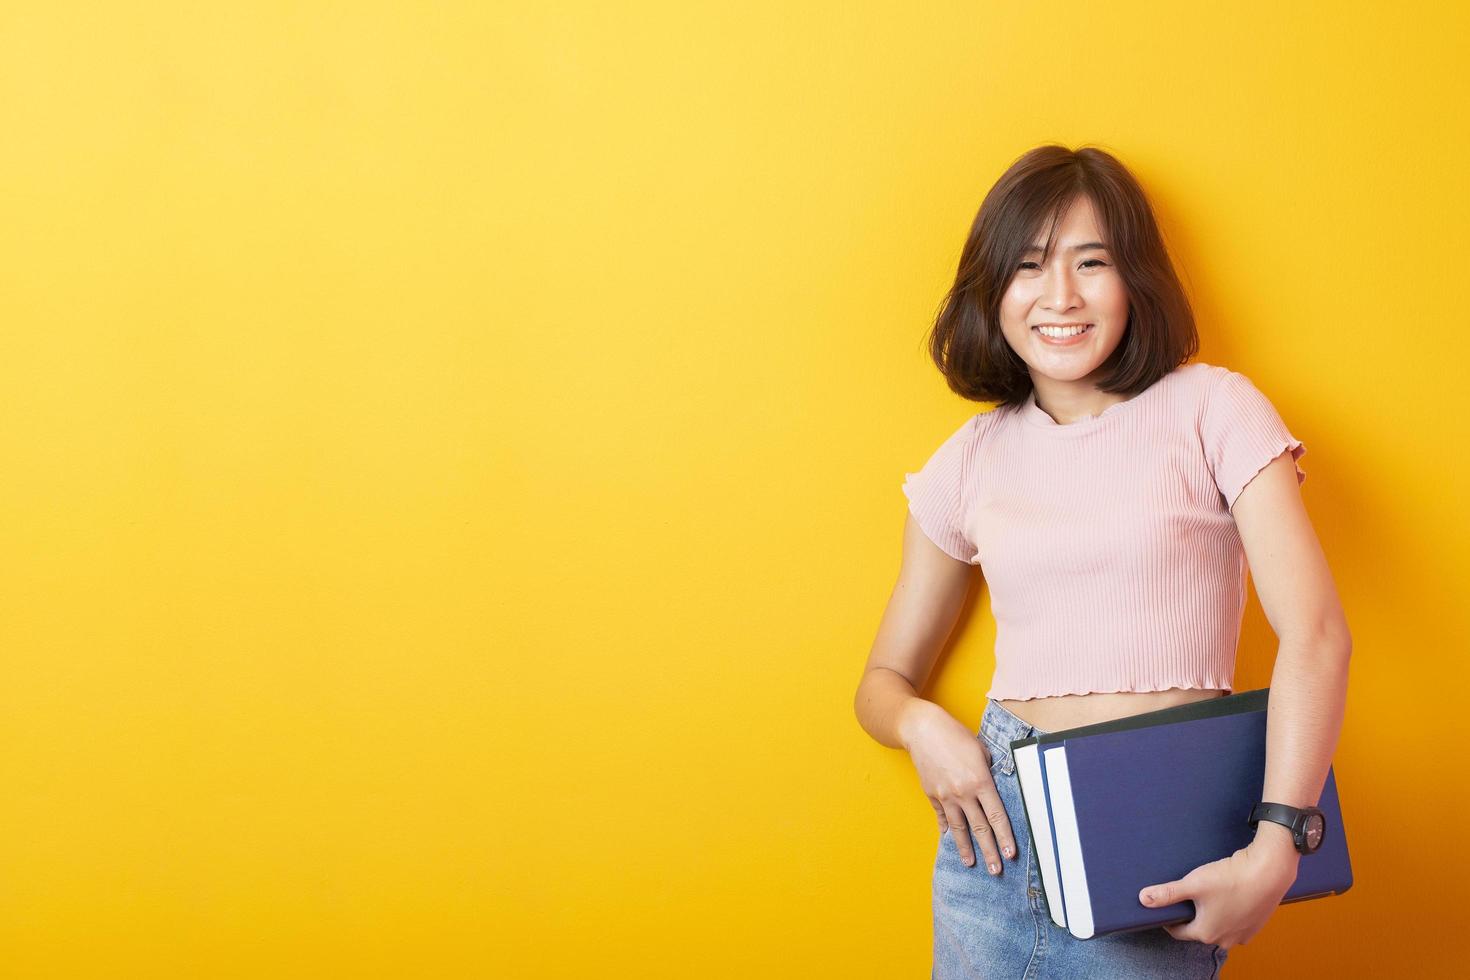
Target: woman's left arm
(1235, 896)
(1309, 679)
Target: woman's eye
(1033, 265)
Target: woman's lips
(1064, 341)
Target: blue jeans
(998, 926)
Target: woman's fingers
(1000, 824)
(939, 813)
(959, 832)
(983, 818)
(976, 813)
(966, 820)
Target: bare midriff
(1053, 714)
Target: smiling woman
(1066, 308)
(1108, 473)
(1063, 239)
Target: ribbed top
(1108, 546)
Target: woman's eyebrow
(1075, 248)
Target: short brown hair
(967, 343)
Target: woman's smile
(1062, 337)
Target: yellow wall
(452, 458)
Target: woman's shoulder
(1220, 389)
(1200, 375)
(1207, 376)
(1196, 383)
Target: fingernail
(994, 868)
(1010, 851)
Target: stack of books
(1119, 806)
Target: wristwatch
(1307, 823)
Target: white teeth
(1062, 331)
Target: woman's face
(1077, 285)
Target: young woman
(1115, 499)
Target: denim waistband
(999, 728)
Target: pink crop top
(1108, 546)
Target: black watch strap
(1293, 818)
(1276, 813)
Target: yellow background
(452, 459)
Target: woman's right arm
(921, 613)
(953, 765)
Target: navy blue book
(1033, 779)
(1128, 803)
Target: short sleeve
(1242, 432)
(937, 497)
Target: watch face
(1313, 830)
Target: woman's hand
(1233, 897)
(954, 771)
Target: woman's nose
(1060, 292)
